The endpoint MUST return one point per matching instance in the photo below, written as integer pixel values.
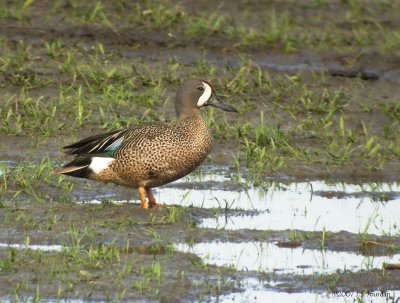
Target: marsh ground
(317, 88)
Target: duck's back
(154, 154)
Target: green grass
(115, 92)
(85, 265)
(109, 70)
(31, 181)
(285, 26)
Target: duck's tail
(79, 167)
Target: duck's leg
(143, 202)
(152, 200)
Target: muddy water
(367, 208)
(224, 205)
(370, 208)
(33, 247)
(267, 257)
(311, 206)
(297, 206)
(235, 224)
(254, 293)
(5, 166)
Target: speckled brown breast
(154, 154)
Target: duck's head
(195, 94)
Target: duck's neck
(193, 122)
(192, 114)
(195, 132)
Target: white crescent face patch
(205, 95)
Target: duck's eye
(200, 88)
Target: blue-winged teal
(150, 154)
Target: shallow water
(256, 292)
(355, 215)
(310, 206)
(279, 205)
(267, 257)
(33, 299)
(5, 165)
(33, 247)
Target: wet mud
(40, 240)
(306, 232)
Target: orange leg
(143, 201)
(152, 199)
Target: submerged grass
(300, 122)
(31, 181)
(93, 74)
(89, 265)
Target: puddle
(5, 166)
(309, 206)
(295, 207)
(34, 299)
(267, 257)
(393, 75)
(350, 214)
(261, 291)
(94, 201)
(33, 247)
(254, 292)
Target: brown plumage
(150, 154)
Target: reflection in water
(33, 247)
(351, 214)
(5, 166)
(264, 256)
(294, 206)
(308, 206)
(254, 293)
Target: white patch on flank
(205, 96)
(99, 164)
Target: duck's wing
(95, 153)
(92, 154)
(103, 144)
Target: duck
(151, 154)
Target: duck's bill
(224, 106)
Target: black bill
(224, 106)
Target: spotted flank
(150, 154)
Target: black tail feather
(78, 167)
